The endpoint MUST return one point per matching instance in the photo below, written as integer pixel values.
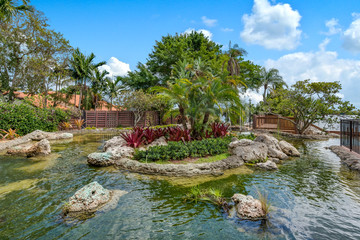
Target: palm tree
(98, 84)
(177, 93)
(270, 79)
(8, 9)
(113, 89)
(235, 54)
(82, 68)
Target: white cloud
(209, 22)
(272, 26)
(115, 67)
(333, 26)
(322, 46)
(206, 33)
(352, 35)
(227, 29)
(253, 96)
(320, 66)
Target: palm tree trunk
(264, 95)
(182, 115)
(205, 121)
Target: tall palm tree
(113, 89)
(98, 84)
(270, 79)
(82, 68)
(9, 9)
(235, 54)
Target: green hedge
(179, 150)
(26, 118)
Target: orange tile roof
(37, 100)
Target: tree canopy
(308, 102)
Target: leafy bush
(26, 118)
(180, 150)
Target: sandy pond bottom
(313, 197)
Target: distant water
(334, 126)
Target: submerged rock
(90, 198)
(247, 207)
(248, 150)
(268, 165)
(100, 159)
(39, 148)
(289, 149)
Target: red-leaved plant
(177, 134)
(150, 135)
(219, 129)
(133, 139)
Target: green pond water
(312, 197)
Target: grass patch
(208, 159)
(212, 158)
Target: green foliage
(138, 102)
(309, 102)
(25, 118)
(172, 49)
(214, 196)
(140, 79)
(179, 150)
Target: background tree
(99, 83)
(270, 79)
(309, 102)
(112, 89)
(235, 56)
(138, 102)
(141, 78)
(9, 9)
(82, 68)
(29, 53)
(172, 49)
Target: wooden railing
(273, 122)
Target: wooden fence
(113, 119)
(273, 122)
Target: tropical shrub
(26, 118)
(133, 139)
(65, 126)
(219, 129)
(180, 150)
(10, 134)
(79, 123)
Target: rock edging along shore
(242, 151)
(350, 159)
(36, 135)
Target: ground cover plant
(181, 150)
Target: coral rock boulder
(247, 207)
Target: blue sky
(304, 39)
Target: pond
(312, 197)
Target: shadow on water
(312, 197)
